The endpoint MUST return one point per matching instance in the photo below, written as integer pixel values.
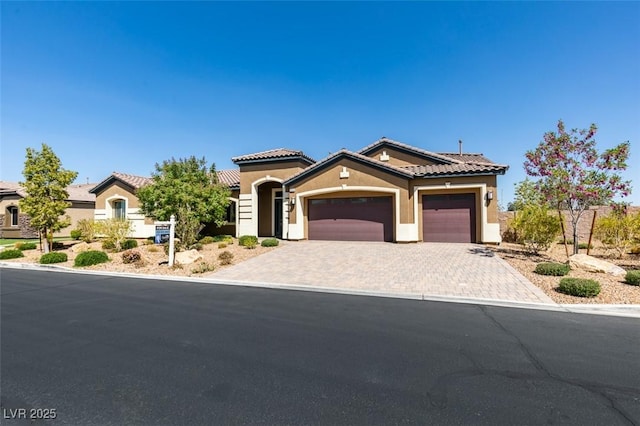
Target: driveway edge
(632, 311)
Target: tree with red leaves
(573, 175)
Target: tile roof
(76, 192)
(132, 180)
(390, 142)
(272, 154)
(231, 178)
(468, 157)
(455, 169)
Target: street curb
(631, 311)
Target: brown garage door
(449, 218)
(351, 219)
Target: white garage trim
(296, 231)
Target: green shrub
(196, 246)
(632, 277)
(226, 257)
(536, 227)
(129, 244)
(584, 246)
(203, 267)
(53, 257)
(11, 254)
(270, 242)
(131, 256)
(108, 245)
(25, 246)
(207, 240)
(91, 257)
(223, 239)
(552, 268)
(580, 287)
(222, 245)
(76, 234)
(114, 230)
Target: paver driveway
(428, 269)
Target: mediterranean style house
(387, 191)
(15, 224)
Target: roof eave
(241, 162)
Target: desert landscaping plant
(115, 231)
(632, 277)
(552, 268)
(91, 257)
(129, 244)
(536, 227)
(11, 254)
(75, 234)
(619, 230)
(203, 267)
(131, 256)
(53, 257)
(580, 287)
(249, 241)
(25, 246)
(87, 229)
(226, 257)
(270, 242)
(572, 175)
(207, 240)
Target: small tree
(535, 228)
(115, 231)
(189, 190)
(572, 175)
(46, 187)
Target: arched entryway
(269, 209)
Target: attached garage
(351, 219)
(449, 218)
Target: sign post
(165, 233)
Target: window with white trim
(119, 209)
(12, 216)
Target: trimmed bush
(226, 257)
(76, 234)
(108, 245)
(632, 277)
(196, 246)
(552, 268)
(129, 244)
(91, 257)
(223, 239)
(270, 242)
(580, 287)
(584, 246)
(131, 256)
(207, 240)
(11, 254)
(222, 245)
(247, 239)
(25, 246)
(53, 257)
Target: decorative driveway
(422, 269)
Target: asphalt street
(103, 350)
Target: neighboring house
(15, 224)
(387, 191)
(116, 198)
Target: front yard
(614, 289)
(153, 258)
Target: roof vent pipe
(460, 146)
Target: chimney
(460, 147)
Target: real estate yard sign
(165, 231)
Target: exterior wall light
(490, 195)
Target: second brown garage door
(351, 219)
(449, 218)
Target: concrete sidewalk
(425, 269)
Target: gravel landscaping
(614, 290)
(153, 258)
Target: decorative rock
(592, 264)
(187, 257)
(80, 247)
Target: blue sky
(121, 86)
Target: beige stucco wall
(359, 175)
(76, 212)
(116, 189)
(399, 158)
(282, 170)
